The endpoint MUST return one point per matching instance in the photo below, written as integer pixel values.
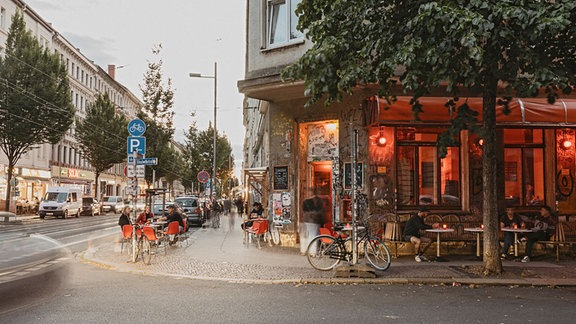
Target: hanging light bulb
(381, 139)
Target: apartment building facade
(61, 163)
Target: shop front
(63, 176)
(536, 158)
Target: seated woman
(145, 217)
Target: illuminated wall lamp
(381, 139)
(567, 144)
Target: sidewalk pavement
(220, 254)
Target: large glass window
(422, 177)
(523, 167)
(282, 22)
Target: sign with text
(281, 178)
(147, 161)
(140, 171)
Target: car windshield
(187, 202)
(55, 196)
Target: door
(320, 179)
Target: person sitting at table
(124, 217)
(509, 220)
(255, 213)
(145, 217)
(544, 226)
(174, 216)
(412, 233)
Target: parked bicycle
(146, 240)
(325, 251)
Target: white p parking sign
(136, 143)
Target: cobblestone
(219, 254)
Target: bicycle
(325, 251)
(143, 244)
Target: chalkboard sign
(281, 178)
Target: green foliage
(101, 135)
(158, 116)
(526, 45)
(199, 154)
(35, 102)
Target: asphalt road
(96, 295)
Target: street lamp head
(195, 75)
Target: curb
(88, 257)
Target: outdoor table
(438, 231)
(516, 231)
(349, 228)
(476, 230)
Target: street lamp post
(215, 77)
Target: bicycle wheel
(323, 253)
(275, 235)
(377, 254)
(146, 250)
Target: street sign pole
(134, 190)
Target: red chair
(172, 232)
(152, 237)
(259, 230)
(126, 236)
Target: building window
(524, 167)
(3, 18)
(422, 178)
(282, 22)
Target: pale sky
(194, 34)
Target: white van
(61, 201)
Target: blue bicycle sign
(136, 127)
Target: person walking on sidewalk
(313, 209)
(412, 233)
(544, 226)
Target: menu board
(281, 178)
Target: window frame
(417, 144)
(267, 26)
(522, 147)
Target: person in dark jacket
(544, 228)
(125, 217)
(412, 233)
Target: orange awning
(535, 112)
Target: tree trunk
(492, 263)
(8, 185)
(97, 193)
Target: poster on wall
(322, 142)
(348, 175)
(281, 203)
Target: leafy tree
(101, 135)
(464, 47)
(199, 153)
(174, 169)
(35, 102)
(156, 113)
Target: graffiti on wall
(281, 202)
(322, 142)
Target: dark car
(90, 206)
(191, 207)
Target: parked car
(112, 204)
(191, 207)
(90, 206)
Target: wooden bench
(7, 216)
(558, 239)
